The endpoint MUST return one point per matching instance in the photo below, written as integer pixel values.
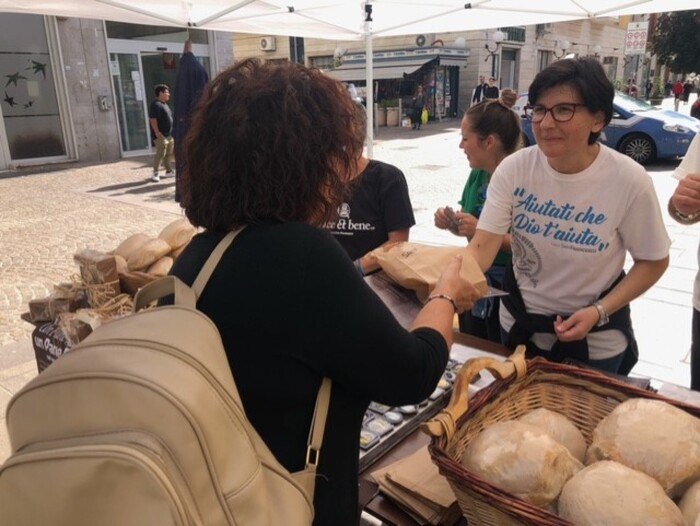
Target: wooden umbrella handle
(445, 422)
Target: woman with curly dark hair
(272, 148)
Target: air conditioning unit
(268, 43)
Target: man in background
(479, 90)
(161, 120)
(492, 91)
(189, 84)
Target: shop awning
(391, 69)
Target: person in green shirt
(490, 132)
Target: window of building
(30, 108)
(325, 62)
(544, 59)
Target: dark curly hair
(586, 77)
(268, 142)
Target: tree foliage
(677, 41)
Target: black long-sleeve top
(291, 308)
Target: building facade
(524, 51)
(79, 89)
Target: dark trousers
(415, 117)
(695, 353)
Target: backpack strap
(210, 264)
(318, 425)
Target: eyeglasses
(560, 112)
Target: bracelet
(680, 216)
(358, 266)
(442, 297)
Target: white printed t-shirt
(571, 232)
(689, 165)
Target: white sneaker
(170, 173)
(155, 178)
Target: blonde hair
(508, 97)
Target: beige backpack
(141, 424)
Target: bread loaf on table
(131, 244)
(161, 267)
(609, 494)
(178, 233)
(559, 428)
(521, 459)
(654, 437)
(147, 254)
(690, 505)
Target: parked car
(638, 129)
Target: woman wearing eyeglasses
(575, 208)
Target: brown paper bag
(418, 267)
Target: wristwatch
(603, 317)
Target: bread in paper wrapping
(178, 233)
(690, 505)
(161, 267)
(131, 244)
(418, 267)
(559, 428)
(521, 459)
(147, 254)
(609, 494)
(651, 436)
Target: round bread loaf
(559, 428)
(178, 233)
(130, 245)
(149, 253)
(651, 436)
(521, 459)
(690, 505)
(609, 494)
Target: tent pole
(369, 89)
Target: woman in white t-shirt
(575, 208)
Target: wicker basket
(582, 395)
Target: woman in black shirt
(272, 147)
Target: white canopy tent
(342, 19)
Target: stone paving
(49, 213)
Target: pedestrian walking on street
(417, 104)
(687, 90)
(161, 120)
(684, 207)
(677, 94)
(189, 84)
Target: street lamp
(596, 50)
(563, 45)
(498, 37)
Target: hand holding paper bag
(420, 268)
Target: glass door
(130, 100)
